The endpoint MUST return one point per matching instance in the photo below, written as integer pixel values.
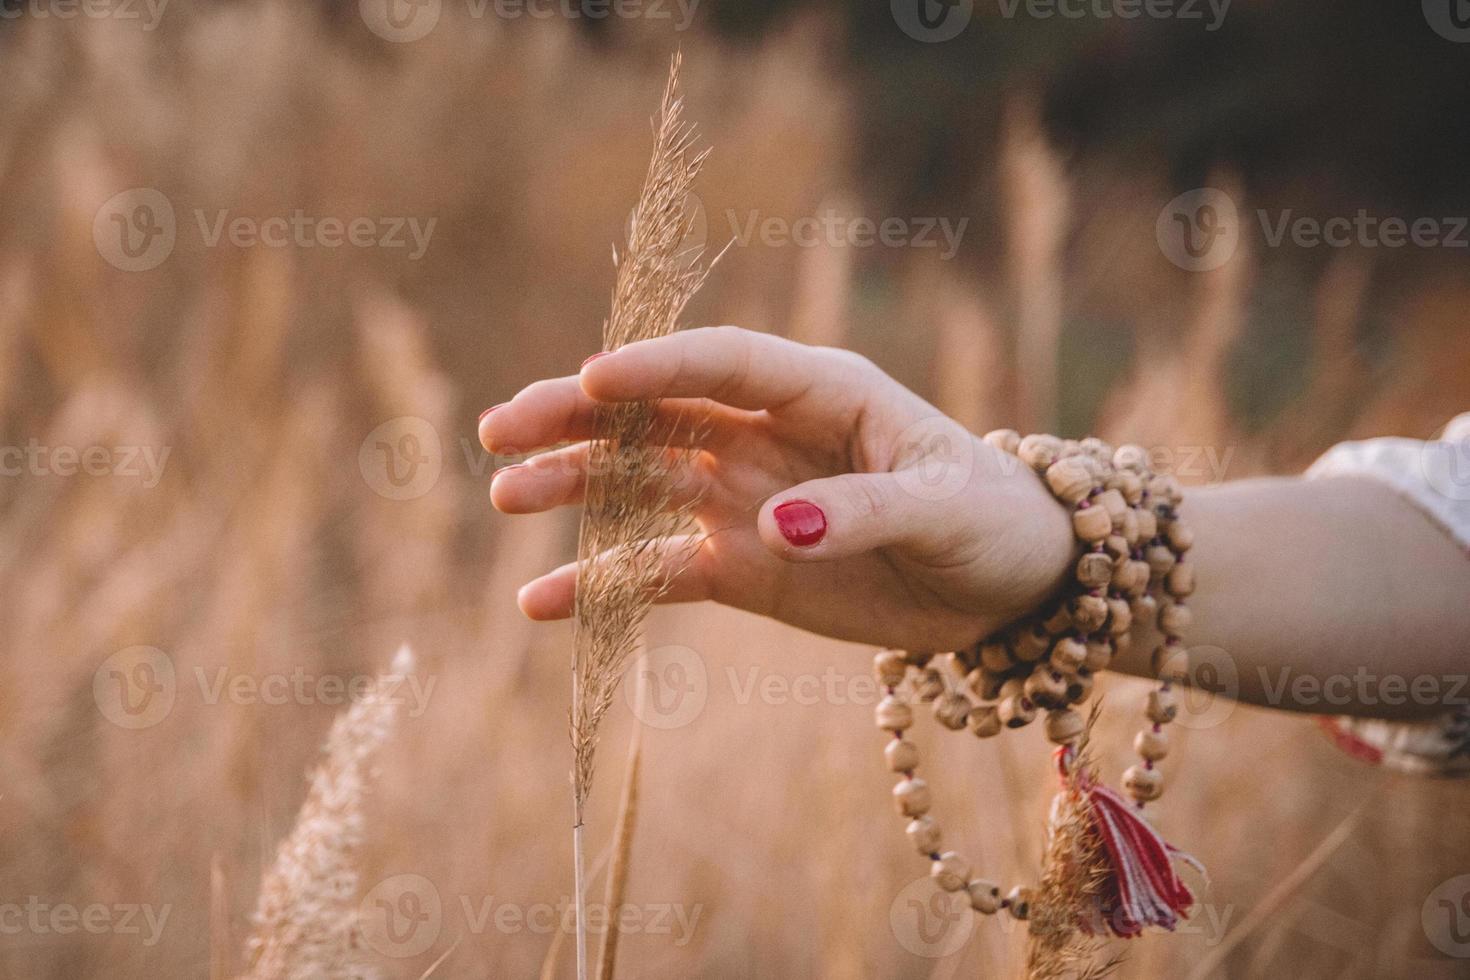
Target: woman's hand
(832, 497)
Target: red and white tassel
(1142, 887)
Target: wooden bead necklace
(1132, 569)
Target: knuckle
(865, 501)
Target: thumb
(840, 516)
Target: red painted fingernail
(489, 410)
(801, 522)
(601, 353)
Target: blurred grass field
(291, 533)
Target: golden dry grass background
(273, 543)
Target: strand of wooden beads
(949, 869)
(1170, 660)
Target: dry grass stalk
(306, 917)
(617, 872)
(627, 546)
(1074, 870)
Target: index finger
(741, 368)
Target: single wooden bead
(1132, 458)
(1091, 524)
(901, 756)
(1057, 621)
(923, 833)
(995, 657)
(1070, 447)
(1160, 559)
(1014, 687)
(918, 658)
(1094, 570)
(1070, 480)
(961, 662)
(1170, 662)
(1120, 616)
(950, 871)
(984, 721)
(911, 796)
(951, 710)
(1117, 548)
(893, 715)
(1016, 712)
(1179, 583)
(1030, 645)
(1046, 688)
(1179, 536)
(1063, 727)
(984, 896)
(1175, 618)
(1039, 451)
(1145, 609)
(1089, 612)
(1128, 527)
(929, 685)
(1099, 655)
(1163, 707)
(1129, 484)
(1018, 903)
(1164, 489)
(1006, 440)
(1122, 643)
(1143, 784)
(1148, 524)
(1097, 448)
(1151, 745)
(984, 684)
(1079, 686)
(890, 667)
(1139, 585)
(1112, 501)
(1068, 654)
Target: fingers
(687, 574)
(557, 410)
(841, 516)
(741, 368)
(559, 477)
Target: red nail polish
(489, 410)
(601, 353)
(801, 522)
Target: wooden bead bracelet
(1131, 569)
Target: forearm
(1329, 596)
